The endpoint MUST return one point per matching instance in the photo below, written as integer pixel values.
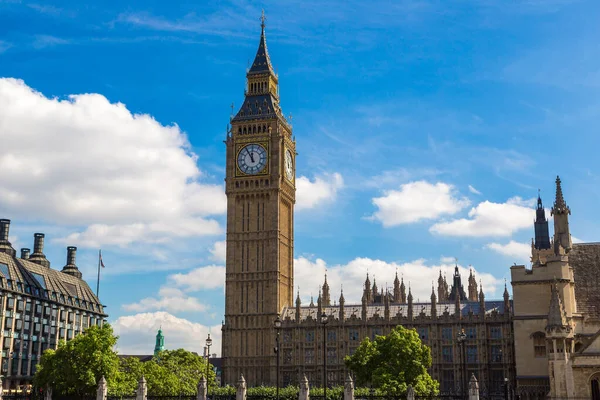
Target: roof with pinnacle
(395, 310)
(262, 61)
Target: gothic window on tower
(309, 356)
(447, 333)
(471, 354)
(310, 336)
(287, 337)
(331, 336)
(353, 335)
(331, 355)
(423, 333)
(495, 332)
(539, 345)
(375, 332)
(471, 333)
(287, 356)
(447, 354)
(496, 353)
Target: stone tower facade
(260, 189)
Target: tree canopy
(392, 362)
(76, 367)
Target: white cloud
(323, 189)
(473, 190)
(209, 277)
(417, 201)
(137, 333)
(218, 252)
(117, 177)
(490, 219)
(573, 239)
(170, 299)
(520, 252)
(420, 274)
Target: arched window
(539, 344)
(595, 387)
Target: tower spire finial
(263, 18)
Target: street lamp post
(460, 338)
(277, 328)
(505, 388)
(208, 344)
(324, 321)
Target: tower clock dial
(289, 165)
(252, 159)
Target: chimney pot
(38, 243)
(71, 255)
(4, 228)
(25, 253)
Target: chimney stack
(5, 246)
(38, 255)
(71, 267)
(25, 253)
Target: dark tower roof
(262, 61)
(542, 234)
(457, 290)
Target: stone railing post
(349, 388)
(241, 389)
(48, 393)
(201, 389)
(473, 388)
(410, 393)
(142, 390)
(304, 393)
(102, 391)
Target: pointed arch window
(539, 345)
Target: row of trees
(388, 364)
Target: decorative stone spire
(402, 292)
(457, 287)
(396, 289)
(326, 296)
(472, 286)
(319, 304)
(386, 303)
(433, 302)
(441, 289)
(262, 61)
(160, 342)
(557, 318)
(457, 307)
(342, 304)
(561, 212)
(481, 302)
(312, 304)
(374, 290)
(542, 235)
(506, 300)
(298, 306)
(410, 304)
(367, 289)
(364, 308)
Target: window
(309, 356)
(496, 353)
(495, 332)
(287, 335)
(310, 336)
(447, 383)
(447, 354)
(331, 355)
(471, 333)
(331, 336)
(11, 302)
(353, 334)
(447, 333)
(287, 356)
(471, 354)
(40, 278)
(4, 270)
(375, 332)
(539, 345)
(423, 333)
(497, 378)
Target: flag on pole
(101, 262)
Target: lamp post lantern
(460, 339)
(324, 321)
(277, 329)
(208, 344)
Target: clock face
(252, 159)
(289, 165)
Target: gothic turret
(160, 342)
(364, 308)
(457, 307)
(557, 318)
(342, 304)
(561, 212)
(326, 296)
(457, 287)
(396, 289)
(402, 292)
(542, 235)
(386, 303)
(506, 301)
(441, 292)
(472, 286)
(410, 305)
(319, 304)
(298, 306)
(374, 290)
(433, 302)
(481, 302)
(367, 289)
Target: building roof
(18, 275)
(585, 260)
(262, 61)
(396, 309)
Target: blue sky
(424, 130)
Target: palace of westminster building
(544, 340)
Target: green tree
(391, 363)
(76, 366)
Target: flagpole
(98, 281)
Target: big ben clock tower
(260, 188)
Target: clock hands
(251, 156)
